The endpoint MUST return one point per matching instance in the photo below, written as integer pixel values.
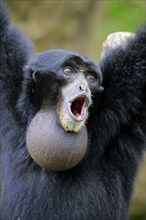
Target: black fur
(100, 187)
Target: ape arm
(124, 74)
(14, 52)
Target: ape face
(64, 83)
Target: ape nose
(82, 87)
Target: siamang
(72, 133)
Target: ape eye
(91, 77)
(68, 70)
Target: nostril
(82, 87)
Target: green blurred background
(82, 25)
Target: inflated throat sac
(50, 146)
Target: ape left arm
(124, 74)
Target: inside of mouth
(77, 107)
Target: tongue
(78, 106)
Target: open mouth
(78, 108)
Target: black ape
(61, 83)
(99, 184)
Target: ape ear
(35, 75)
(115, 40)
(100, 89)
(31, 73)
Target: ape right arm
(14, 53)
